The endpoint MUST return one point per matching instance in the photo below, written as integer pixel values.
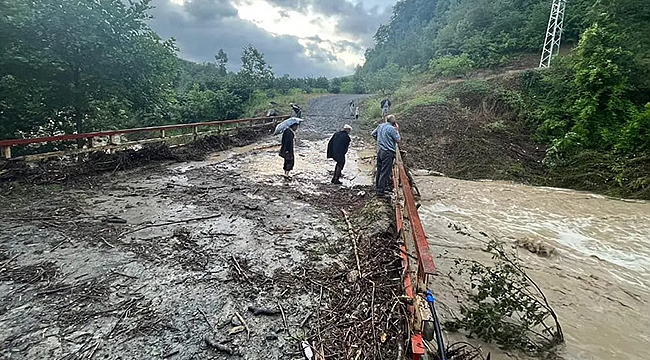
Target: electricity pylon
(553, 33)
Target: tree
(222, 62)
(254, 71)
(385, 80)
(65, 59)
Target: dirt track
(148, 263)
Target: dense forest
(76, 66)
(590, 110)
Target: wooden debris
(248, 330)
(262, 311)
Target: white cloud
(298, 37)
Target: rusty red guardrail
(6, 145)
(413, 235)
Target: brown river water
(598, 277)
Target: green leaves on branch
(506, 306)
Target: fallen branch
(222, 348)
(284, 319)
(354, 241)
(205, 317)
(262, 311)
(243, 322)
(304, 321)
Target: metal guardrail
(414, 240)
(6, 145)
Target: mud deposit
(220, 258)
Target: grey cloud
(360, 20)
(200, 37)
(207, 10)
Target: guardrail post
(6, 152)
(162, 133)
(90, 143)
(196, 132)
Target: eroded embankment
(470, 131)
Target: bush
(451, 65)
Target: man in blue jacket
(387, 136)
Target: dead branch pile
(360, 316)
(58, 170)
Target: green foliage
(451, 65)
(487, 32)
(384, 81)
(506, 306)
(64, 58)
(635, 135)
(207, 105)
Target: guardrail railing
(414, 239)
(6, 145)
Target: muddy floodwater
(597, 278)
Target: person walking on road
(356, 113)
(385, 108)
(336, 149)
(286, 150)
(352, 106)
(296, 109)
(387, 136)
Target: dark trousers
(288, 163)
(338, 170)
(384, 169)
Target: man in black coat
(286, 150)
(336, 149)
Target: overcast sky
(297, 37)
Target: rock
(353, 276)
(271, 336)
(235, 322)
(536, 247)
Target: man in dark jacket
(296, 109)
(336, 149)
(286, 150)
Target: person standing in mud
(286, 150)
(385, 108)
(387, 136)
(336, 149)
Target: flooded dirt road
(597, 277)
(166, 261)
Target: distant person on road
(356, 113)
(336, 149)
(297, 110)
(352, 107)
(385, 108)
(387, 136)
(286, 150)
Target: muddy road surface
(214, 259)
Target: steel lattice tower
(553, 33)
